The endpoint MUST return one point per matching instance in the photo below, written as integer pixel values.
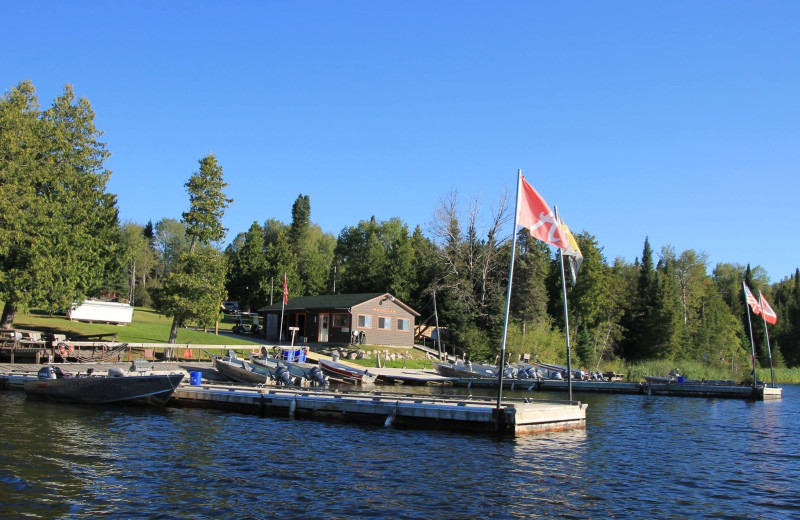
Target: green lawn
(147, 327)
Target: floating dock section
(688, 389)
(474, 415)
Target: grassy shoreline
(150, 327)
(147, 327)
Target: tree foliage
(194, 288)
(58, 225)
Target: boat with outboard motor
(240, 370)
(53, 384)
(341, 373)
(285, 372)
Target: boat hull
(153, 390)
(345, 374)
(239, 373)
(462, 371)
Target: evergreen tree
(59, 226)
(529, 292)
(247, 277)
(641, 316)
(195, 291)
(196, 288)
(301, 219)
(281, 259)
(671, 339)
(592, 306)
(207, 204)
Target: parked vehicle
(242, 328)
(230, 307)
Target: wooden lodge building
(371, 318)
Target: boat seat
(141, 365)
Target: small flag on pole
(751, 300)
(285, 290)
(572, 252)
(768, 314)
(534, 214)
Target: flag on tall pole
(534, 214)
(766, 311)
(756, 308)
(751, 300)
(769, 316)
(572, 251)
(283, 304)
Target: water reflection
(639, 456)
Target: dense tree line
(60, 241)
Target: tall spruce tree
(207, 204)
(640, 318)
(195, 290)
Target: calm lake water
(639, 457)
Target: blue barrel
(195, 378)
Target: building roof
(332, 301)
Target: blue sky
(673, 120)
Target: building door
(323, 328)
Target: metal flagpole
(750, 324)
(508, 299)
(438, 332)
(769, 350)
(566, 311)
(283, 304)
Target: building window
(364, 321)
(403, 324)
(384, 323)
(340, 320)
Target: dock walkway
(467, 414)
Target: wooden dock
(472, 414)
(760, 393)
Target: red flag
(768, 315)
(534, 213)
(751, 300)
(285, 290)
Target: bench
(141, 365)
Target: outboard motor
(317, 376)
(46, 373)
(283, 376)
